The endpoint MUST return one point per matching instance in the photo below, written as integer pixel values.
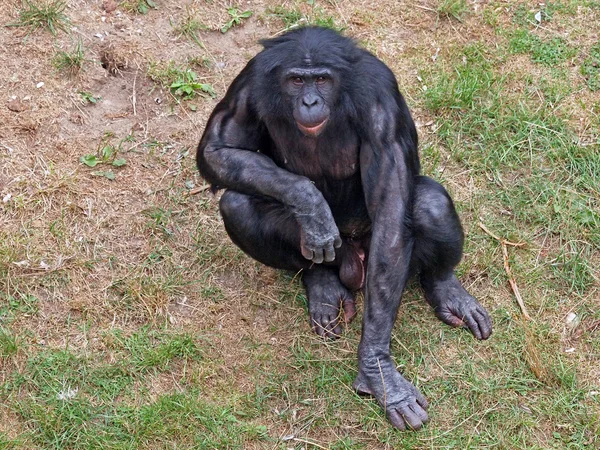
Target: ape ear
(270, 43)
(274, 54)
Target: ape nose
(310, 100)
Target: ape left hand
(319, 234)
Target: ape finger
(306, 252)
(488, 320)
(317, 325)
(337, 331)
(473, 326)
(410, 417)
(420, 412)
(483, 323)
(317, 256)
(330, 324)
(349, 310)
(450, 319)
(422, 401)
(329, 253)
(396, 419)
(337, 243)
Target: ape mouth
(313, 130)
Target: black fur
(341, 199)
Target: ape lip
(313, 130)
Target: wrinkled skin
(317, 153)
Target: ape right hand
(319, 235)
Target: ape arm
(387, 184)
(388, 160)
(227, 157)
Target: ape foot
(454, 306)
(352, 267)
(329, 302)
(404, 405)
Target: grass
(590, 68)
(549, 52)
(45, 14)
(182, 81)
(453, 8)
(189, 27)
(85, 403)
(139, 6)
(236, 18)
(128, 320)
(293, 18)
(70, 62)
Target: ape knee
(434, 209)
(436, 224)
(232, 204)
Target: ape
(317, 151)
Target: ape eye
(297, 81)
(321, 80)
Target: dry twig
(511, 278)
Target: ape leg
(329, 302)
(267, 231)
(264, 230)
(438, 249)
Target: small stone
(16, 105)
(572, 320)
(7, 197)
(40, 84)
(109, 6)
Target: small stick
(133, 96)
(199, 189)
(514, 244)
(304, 441)
(511, 279)
(426, 8)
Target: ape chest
(319, 171)
(320, 163)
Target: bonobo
(317, 153)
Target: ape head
(301, 76)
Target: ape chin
(317, 152)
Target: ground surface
(128, 319)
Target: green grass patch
(590, 68)
(453, 8)
(9, 345)
(189, 27)
(549, 52)
(294, 18)
(71, 401)
(138, 6)
(183, 82)
(70, 62)
(527, 155)
(45, 14)
(236, 18)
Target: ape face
(310, 93)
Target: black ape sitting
(317, 151)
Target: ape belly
(347, 202)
